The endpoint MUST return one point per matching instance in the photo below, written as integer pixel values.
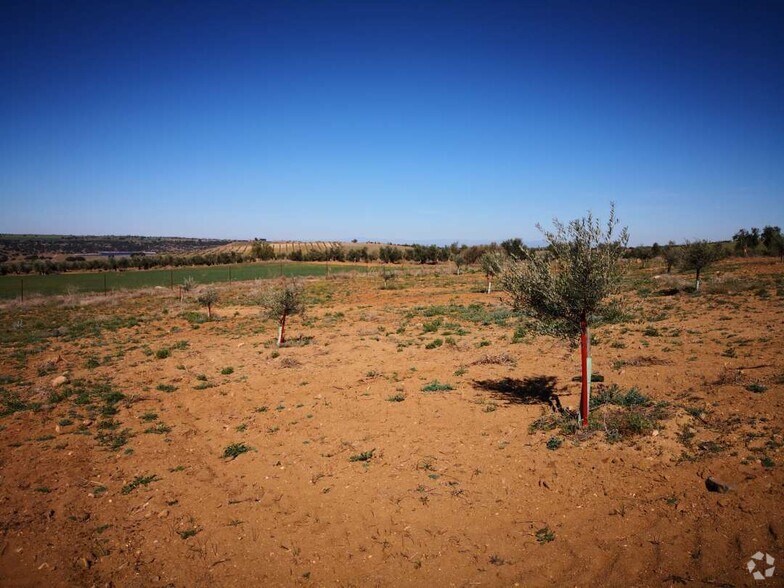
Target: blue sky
(397, 121)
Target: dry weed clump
(496, 359)
(640, 361)
(729, 376)
(290, 362)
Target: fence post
(104, 284)
(229, 275)
(21, 287)
(171, 279)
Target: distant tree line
(768, 241)
(753, 242)
(34, 246)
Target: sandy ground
(446, 488)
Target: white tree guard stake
(585, 353)
(281, 329)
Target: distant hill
(15, 247)
(286, 247)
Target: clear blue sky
(390, 120)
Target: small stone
(163, 514)
(714, 485)
(59, 381)
(655, 433)
(85, 563)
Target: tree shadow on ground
(535, 390)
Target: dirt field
(355, 476)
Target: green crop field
(11, 286)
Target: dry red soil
(446, 488)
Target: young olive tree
(566, 286)
(459, 261)
(283, 301)
(670, 255)
(387, 275)
(697, 256)
(208, 297)
(492, 263)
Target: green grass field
(11, 286)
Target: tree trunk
(281, 330)
(697, 284)
(489, 284)
(585, 356)
(209, 312)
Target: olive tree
(262, 250)
(671, 255)
(697, 256)
(208, 297)
(282, 301)
(492, 264)
(566, 287)
(777, 245)
(459, 261)
(387, 275)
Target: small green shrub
(545, 535)
(159, 429)
(436, 386)
(364, 456)
(138, 481)
(432, 326)
(188, 533)
(554, 443)
(234, 450)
